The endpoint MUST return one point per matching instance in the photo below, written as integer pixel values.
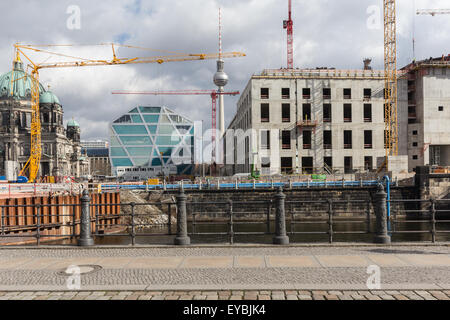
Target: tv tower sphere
(220, 77)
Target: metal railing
(276, 219)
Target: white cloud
(326, 33)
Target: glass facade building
(150, 141)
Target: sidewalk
(218, 268)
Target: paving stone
(278, 297)
(336, 293)
(263, 297)
(236, 297)
(158, 297)
(304, 297)
(345, 297)
(400, 297)
(386, 297)
(318, 297)
(237, 293)
(373, 297)
(212, 297)
(199, 297)
(186, 297)
(331, 297)
(391, 293)
(291, 297)
(40, 298)
(172, 297)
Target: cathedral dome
(20, 82)
(72, 123)
(48, 97)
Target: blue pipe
(388, 191)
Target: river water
(159, 237)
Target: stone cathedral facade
(61, 148)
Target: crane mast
(390, 70)
(289, 26)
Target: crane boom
(32, 165)
(433, 12)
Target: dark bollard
(280, 219)
(381, 235)
(182, 238)
(85, 227)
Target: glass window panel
(114, 141)
(122, 162)
(167, 151)
(189, 140)
(135, 141)
(166, 129)
(151, 119)
(167, 140)
(156, 162)
(118, 152)
(166, 160)
(124, 119)
(152, 129)
(150, 109)
(136, 118)
(156, 153)
(138, 152)
(135, 110)
(141, 162)
(130, 129)
(183, 129)
(164, 119)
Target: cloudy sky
(333, 33)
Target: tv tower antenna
(220, 80)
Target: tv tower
(221, 80)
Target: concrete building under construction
(326, 120)
(61, 150)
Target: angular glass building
(151, 141)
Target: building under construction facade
(61, 150)
(333, 121)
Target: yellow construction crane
(390, 72)
(32, 165)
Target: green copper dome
(48, 97)
(72, 123)
(20, 81)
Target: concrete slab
(249, 262)
(40, 264)
(114, 263)
(14, 263)
(426, 259)
(291, 262)
(155, 263)
(207, 262)
(64, 263)
(387, 261)
(343, 261)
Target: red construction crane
(289, 25)
(213, 93)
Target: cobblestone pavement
(231, 295)
(227, 268)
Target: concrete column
(381, 235)
(280, 219)
(182, 238)
(85, 228)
